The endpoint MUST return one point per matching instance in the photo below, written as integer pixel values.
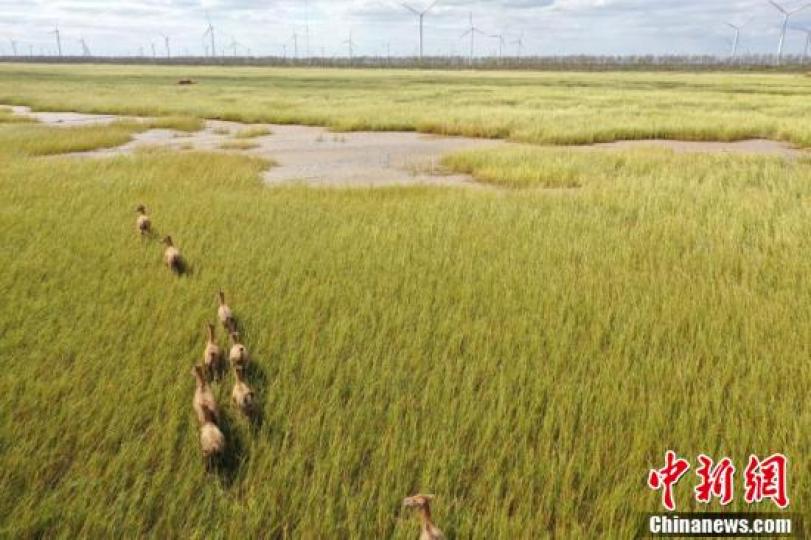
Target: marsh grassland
(526, 353)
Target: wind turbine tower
(520, 43)
(351, 45)
(55, 31)
(85, 48)
(807, 45)
(13, 46)
(472, 30)
(307, 26)
(738, 28)
(295, 45)
(210, 33)
(166, 44)
(807, 33)
(421, 15)
(786, 17)
(500, 38)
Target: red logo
(766, 480)
(763, 479)
(667, 477)
(715, 481)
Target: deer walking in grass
(428, 531)
(143, 223)
(172, 257)
(212, 441)
(225, 314)
(212, 356)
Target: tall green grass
(524, 355)
(555, 108)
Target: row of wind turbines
(471, 32)
(787, 15)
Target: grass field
(525, 354)
(558, 108)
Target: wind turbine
(166, 44)
(210, 32)
(520, 43)
(13, 46)
(234, 44)
(500, 38)
(295, 45)
(85, 48)
(154, 51)
(421, 15)
(351, 47)
(786, 16)
(55, 31)
(736, 42)
(807, 33)
(307, 26)
(472, 31)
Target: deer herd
(214, 367)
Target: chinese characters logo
(763, 480)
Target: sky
(275, 27)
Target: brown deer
(212, 356)
(172, 257)
(428, 531)
(143, 222)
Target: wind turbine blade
(466, 33)
(799, 9)
(411, 9)
(429, 8)
(778, 6)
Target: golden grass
(40, 140)
(252, 132)
(179, 123)
(525, 356)
(239, 144)
(550, 108)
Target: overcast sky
(113, 27)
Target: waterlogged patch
(315, 156)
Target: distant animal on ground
(172, 256)
(143, 222)
(428, 531)
(185, 82)
(204, 403)
(225, 314)
(238, 355)
(242, 395)
(212, 357)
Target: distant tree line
(764, 62)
